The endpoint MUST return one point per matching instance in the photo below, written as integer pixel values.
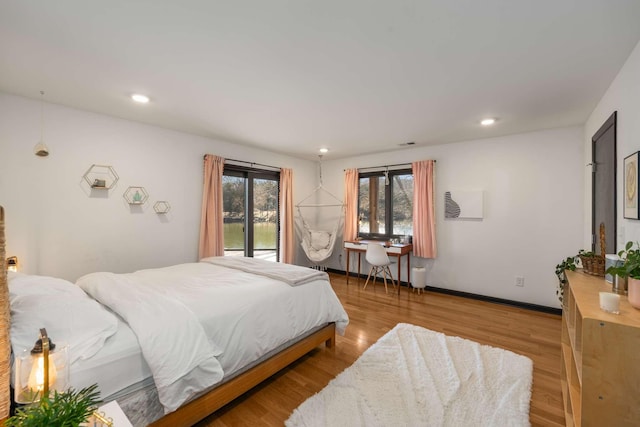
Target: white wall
(533, 213)
(533, 199)
(622, 96)
(57, 226)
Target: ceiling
(355, 76)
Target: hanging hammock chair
(317, 243)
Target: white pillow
(320, 239)
(65, 310)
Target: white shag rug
(416, 377)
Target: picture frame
(630, 203)
(463, 204)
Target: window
(385, 204)
(250, 208)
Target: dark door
(604, 186)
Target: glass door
(250, 207)
(265, 218)
(234, 208)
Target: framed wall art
(631, 209)
(463, 204)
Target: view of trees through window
(385, 204)
(250, 201)
(233, 196)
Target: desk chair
(379, 260)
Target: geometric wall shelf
(101, 177)
(162, 207)
(136, 195)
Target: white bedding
(294, 275)
(119, 365)
(243, 314)
(67, 313)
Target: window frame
(388, 207)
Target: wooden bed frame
(207, 404)
(191, 412)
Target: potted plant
(568, 264)
(586, 259)
(628, 264)
(629, 269)
(69, 409)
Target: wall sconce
(40, 370)
(12, 264)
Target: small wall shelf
(162, 207)
(101, 177)
(136, 195)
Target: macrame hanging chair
(317, 243)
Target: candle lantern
(40, 370)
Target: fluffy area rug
(416, 377)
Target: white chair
(379, 260)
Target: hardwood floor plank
(373, 313)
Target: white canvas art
(463, 204)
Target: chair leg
(376, 272)
(365, 283)
(384, 276)
(384, 273)
(373, 273)
(391, 277)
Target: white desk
(397, 250)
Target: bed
(177, 343)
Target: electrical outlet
(520, 281)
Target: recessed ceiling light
(140, 98)
(324, 150)
(487, 122)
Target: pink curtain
(287, 248)
(424, 221)
(211, 222)
(351, 204)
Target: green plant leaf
(66, 409)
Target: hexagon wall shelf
(101, 177)
(162, 207)
(136, 195)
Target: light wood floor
(372, 313)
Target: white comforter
(294, 275)
(197, 322)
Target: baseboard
(519, 304)
(362, 276)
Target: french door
(250, 205)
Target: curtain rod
(388, 166)
(250, 163)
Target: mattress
(118, 368)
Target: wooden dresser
(600, 357)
